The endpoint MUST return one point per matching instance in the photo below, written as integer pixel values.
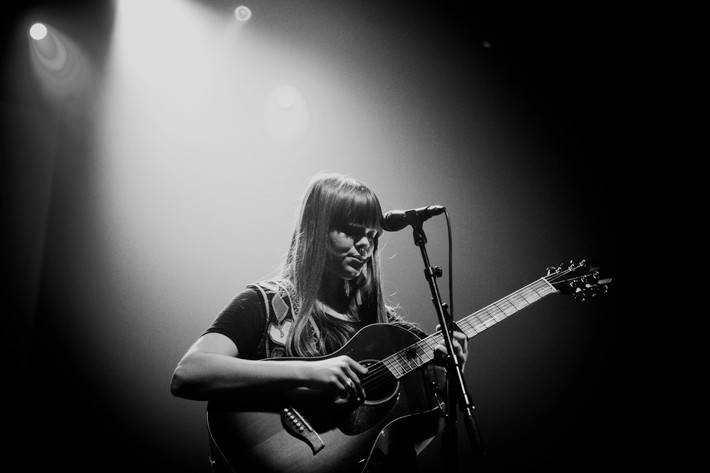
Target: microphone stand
(456, 386)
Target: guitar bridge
(298, 426)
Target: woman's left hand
(460, 343)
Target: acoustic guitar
(303, 432)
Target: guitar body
(347, 436)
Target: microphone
(396, 220)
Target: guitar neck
(407, 360)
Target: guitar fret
(425, 352)
(544, 288)
(432, 341)
(407, 362)
(404, 367)
(488, 319)
(411, 358)
(394, 367)
(536, 290)
(424, 357)
(508, 307)
(402, 364)
(498, 315)
(480, 326)
(529, 295)
(518, 301)
(420, 355)
(467, 327)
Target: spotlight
(242, 13)
(38, 31)
(50, 50)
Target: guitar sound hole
(379, 383)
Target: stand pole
(456, 386)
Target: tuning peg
(603, 285)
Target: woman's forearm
(204, 376)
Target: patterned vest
(279, 297)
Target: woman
(329, 288)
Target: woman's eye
(356, 232)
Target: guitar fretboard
(407, 360)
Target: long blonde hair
(330, 201)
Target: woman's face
(350, 248)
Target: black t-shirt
(244, 322)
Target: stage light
(51, 51)
(242, 13)
(60, 66)
(38, 31)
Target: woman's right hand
(340, 374)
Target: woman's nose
(363, 246)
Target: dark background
(553, 389)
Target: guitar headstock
(579, 280)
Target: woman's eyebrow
(364, 229)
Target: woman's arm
(211, 369)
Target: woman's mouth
(359, 260)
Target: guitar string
(385, 371)
(380, 372)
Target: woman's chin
(351, 273)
